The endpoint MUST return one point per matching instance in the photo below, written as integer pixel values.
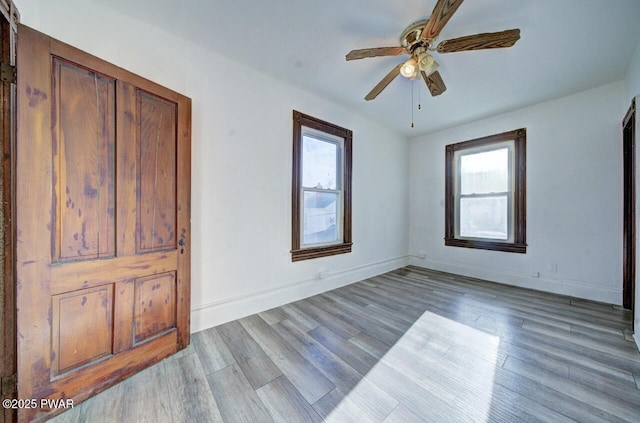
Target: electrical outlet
(535, 274)
(552, 267)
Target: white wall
(241, 166)
(574, 197)
(632, 80)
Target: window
(485, 188)
(321, 194)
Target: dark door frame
(629, 206)
(8, 28)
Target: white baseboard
(216, 313)
(637, 339)
(576, 289)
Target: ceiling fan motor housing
(418, 48)
(410, 38)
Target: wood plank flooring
(413, 345)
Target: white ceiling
(567, 46)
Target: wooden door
(103, 222)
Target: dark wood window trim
(297, 253)
(629, 209)
(519, 244)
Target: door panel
(82, 320)
(103, 165)
(153, 311)
(83, 148)
(157, 173)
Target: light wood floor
(412, 345)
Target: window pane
(485, 217)
(319, 163)
(484, 173)
(320, 217)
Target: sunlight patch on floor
(435, 370)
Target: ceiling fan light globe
(427, 64)
(409, 69)
(425, 61)
(434, 67)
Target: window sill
(311, 253)
(487, 245)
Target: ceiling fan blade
(480, 41)
(442, 12)
(383, 84)
(375, 52)
(434, 83)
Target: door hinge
(8, 73)
(9, 385)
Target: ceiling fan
(419, 39)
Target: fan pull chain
(419, 90)
(412, 85)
